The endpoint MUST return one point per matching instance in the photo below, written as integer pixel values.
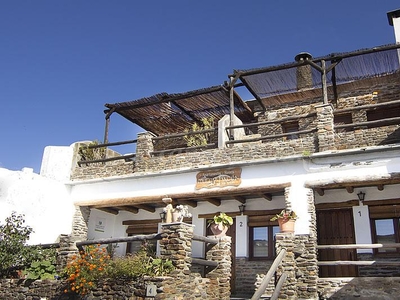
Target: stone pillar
(220, 277)
(300, 262)
(325, 127)
(79, 233)
(177, 247)
(288, 265)
(144, 147)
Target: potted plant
(180, 212)
(219, 225)
(286, 219)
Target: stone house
(321, 137)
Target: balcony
(353, 109)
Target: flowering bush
(94, 264)
(285, 215)
(84, 270)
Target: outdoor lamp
(241, 208)
(163, 214)
(361, 196)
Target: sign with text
(218, 178)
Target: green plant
(15, 255)
(199, 139)
(285, 215)
(161, 267)
(222, 219)
(86, 153)
(41, 270)
(138, 265)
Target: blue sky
(62, 60)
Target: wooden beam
(331, 205)
(131, 209)
(109, 210)
(192, 203)
(146, 207)
(198, 194)
(350, 189)
(139, 222)
(320, 191)
(266, 196)
(215, 201)
(241, 199)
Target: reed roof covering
(278, 84)
(173, 113)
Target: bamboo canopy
(173, 113)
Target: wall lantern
(241, 208)
(361, 196)
(163, 214)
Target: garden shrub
(15, 254)
(83, 272)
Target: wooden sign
(218, 178)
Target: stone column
(144, 147)
(288, 265)
(300, 262)
(177, 247)
(79, 233)
(325, 127)
(220, 277)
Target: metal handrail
(264, 284)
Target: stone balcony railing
(317, 132)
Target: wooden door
(335, 227)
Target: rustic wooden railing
(155, 236)
(183, 149)
(264, 284)
(272, 136)
(126, 157)
(358, 262)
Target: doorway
(335, 227)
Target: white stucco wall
(45, 202)
(396, 26)
(298, 173)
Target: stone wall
(300, 265)
(176, 246)
(249, 275)
(180, 284)
(13, 289)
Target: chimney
(303, 72)
(394, 20)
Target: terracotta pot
(286, 226)
(219, 229)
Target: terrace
(340, 102)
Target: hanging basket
(286, 225)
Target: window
(262, 243)
(139, 227)
(386, 231)
(291, 127)
(383, 113)
(343, 119)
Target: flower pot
(177, 217)
(219, 229)
(286, 225)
